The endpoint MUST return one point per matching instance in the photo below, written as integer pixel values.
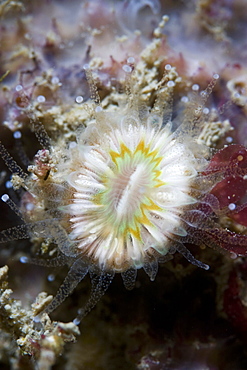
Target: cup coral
(129, 193)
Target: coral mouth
(128, 190)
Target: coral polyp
(115, 200)
(132, 190)
(131, 183)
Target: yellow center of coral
(128, 189)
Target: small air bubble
(232, 206)
(216, 76)
(51, 277)
(127, 69)
(55, 80)
(79, 99)
(5, 197)
(8, 184)
(18, 88)
(23, 259)
(41, 99)
(17, 134)
(131, 60)
(229, 139)
(205, 110)
(185, 99)
(98, 109)
(86, 66)
(237, 95)
(195, 87)
(170, 83)
(168, 67)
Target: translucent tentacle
(197, 219)
(76, 273)
(228, 240)
(61, 238)
(11, 163)
(209, 232)
(186, 253)
(39, 130)
(92, 86)
(129, 278)
(21, 152)
(51, 228)
(60, 260)
(6, 199)
(14, 233)
(100, 284)
(41, 135)
(210, 203)
(151, 269)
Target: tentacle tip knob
(76, 321)
(24, 259)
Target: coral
(121, 198)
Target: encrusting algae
(44, 342)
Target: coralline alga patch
(131, 191)
(44, 342)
